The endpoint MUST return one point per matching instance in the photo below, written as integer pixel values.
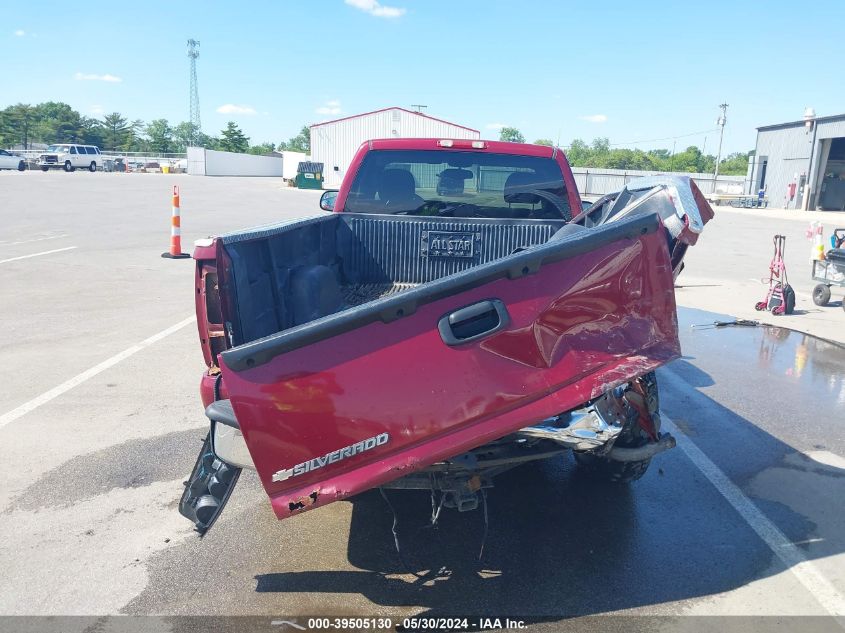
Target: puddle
(767, 357)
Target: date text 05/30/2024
(416, 624)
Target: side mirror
(327, 200)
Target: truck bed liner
(293, 273)
(357, 294)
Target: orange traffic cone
(175, 251)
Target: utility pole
(193, 53)
(418, 106)
(721, 123)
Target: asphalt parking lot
(100, 420)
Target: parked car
(433, 337)
(70, 157)
(10, 161)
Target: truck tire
(606, 470)
(92, 167)
(45, 168)
(68, 167)
(601, 468)
(22, 166)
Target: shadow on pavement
(560, 545)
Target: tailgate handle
(473, 322)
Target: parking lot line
(66, 386)
(34, 239)
(807, 574)
(57, 250)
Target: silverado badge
(332, 457)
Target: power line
(666, 138)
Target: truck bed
(289, 274)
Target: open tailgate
(353, 400)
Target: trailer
(746, 201)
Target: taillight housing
(212, 332)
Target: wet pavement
(765, 406)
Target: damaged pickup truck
(456, 316)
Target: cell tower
(193, 53)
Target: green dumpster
(309, 175)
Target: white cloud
(373, 7)
(97, 109)
(330, 107)
(231, 108)
(594, 118)
(20, 33)
(495, 126)
(91, 77)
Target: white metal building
(334, 143)
(801, 164)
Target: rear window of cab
(458, 184)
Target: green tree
(6, 130)
(626, 159)
(19, 121)
(117, 131)
(299, 143)
(136, 140)
(543, 141)
(659, 155)
(91, 131)
(160, 136)
(735, 164)
(184, 135)
(578, 153)
(57, 123)
(233, 140)
(511, 135)
(692, 159)
(261, 149)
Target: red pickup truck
(458, 315)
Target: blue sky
(629, 71)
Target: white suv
(69, 157)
